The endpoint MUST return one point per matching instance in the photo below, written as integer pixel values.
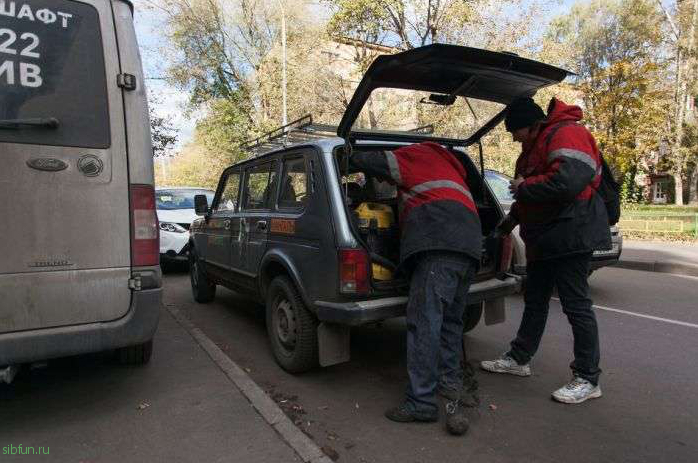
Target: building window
(660, 193)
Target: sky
(149, 24)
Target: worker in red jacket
(440, 246)
(562, 221)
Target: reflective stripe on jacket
(436, 208)
(557, 205)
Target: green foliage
(615, 48)
(192, 166)
(224, 128)
(401, 23)
(630, 192)
(162, 133)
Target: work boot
(506, 364)
(404, 414)
(456, 421)
(577, 391)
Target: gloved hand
(505, 227)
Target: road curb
(306, 449)
(676, 268)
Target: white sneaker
(577, 391)
(506, 364)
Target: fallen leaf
(330, 452)
(143, 406)
(248, 370)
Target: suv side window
(260, 186)
(294, 184)
(230, 194)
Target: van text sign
(19, 49)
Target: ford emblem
(47, 164)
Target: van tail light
(145, 239)
(353, 271)
(507, 253)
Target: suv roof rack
(299, 131)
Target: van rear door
(64, 187)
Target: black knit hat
(522, 112)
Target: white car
(175, 209)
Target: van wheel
(292, 329)
(202, 289)
(135, 355)
(471, 316)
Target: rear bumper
(357, 313)
(136, 327)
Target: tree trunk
(678, 189)
(693, 187)
(684, 75)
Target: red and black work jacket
(557, 205)
(436, 208)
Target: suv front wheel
(292, 329)
(202, 289)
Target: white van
(79, 253)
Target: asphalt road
(649, 412)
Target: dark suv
(317, 242)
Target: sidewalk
(660, 256)
(185, 406)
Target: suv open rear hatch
(449, 71)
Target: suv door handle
(226, 224)
(262, 225)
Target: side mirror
(200, 205)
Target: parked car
(317, 242)
(499, 183)
(175, 209)
(79, 270)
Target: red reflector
(145, 239)
(507, 252)
(353, 271)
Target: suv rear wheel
(292, 329)
(471, 316)
(202, 289)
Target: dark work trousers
(438, 289)
(570, 274)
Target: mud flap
(333, 344)
(495, 311)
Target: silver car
(499, 183)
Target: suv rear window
(52, 66)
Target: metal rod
(283, 64)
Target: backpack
(609, 189)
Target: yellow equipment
(376, 223)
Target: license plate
(609, 252)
